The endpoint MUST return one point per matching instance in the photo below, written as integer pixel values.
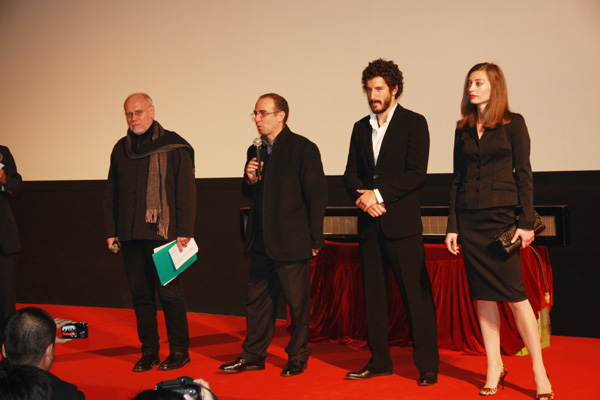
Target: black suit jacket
(493, 171)
(9, 234)
(294, 199)
(399, 174)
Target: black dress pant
(267, 279)
(8, 287)
(406, 257)
(143, 283)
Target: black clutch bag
(504, 237)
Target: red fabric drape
(338, 311)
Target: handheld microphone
(258, 144)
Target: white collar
(373, 118)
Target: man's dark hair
(281, 104)
(27, 334)
(24, 382)
(388, 70)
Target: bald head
(144, 95)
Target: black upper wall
(65, 259)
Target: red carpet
(101, 365)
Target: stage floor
(101, 365)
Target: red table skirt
(338, 309)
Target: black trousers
(406, 257)
(143, 283)
(267, 279)
(8, 288)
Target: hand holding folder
(170, 262)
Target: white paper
(180, 257)
(159, 248)
(1, 165)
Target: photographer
(173, 389)
(29, 339)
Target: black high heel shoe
(485, 391)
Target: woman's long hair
(497, 111)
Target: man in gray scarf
(150, 199)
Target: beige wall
(67, 65)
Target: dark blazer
(294, 199)
(399, 174)
(9, 234)
(493, 171)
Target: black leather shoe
(240, 365)
(175, 360)
(366, 373)
(427, 379)
(293, 367)
(146, 363)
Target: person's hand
(527, 237)
(376, 210)
(251, 169)
(2, 176)
(206, 395)
(366, 200)
(182, 242)
(111, 241)
(452, 243)
(60, 322)
(315, 252)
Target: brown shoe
(146, 363)
(175, 360)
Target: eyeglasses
(138, 113)
(261, 113)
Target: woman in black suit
(492, 175)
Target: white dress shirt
(377, 136)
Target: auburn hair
(497, 111)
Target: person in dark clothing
(29, 339)
(150, 200)
(386, 168)
(10, 185)
(24, 382)
(284, 231)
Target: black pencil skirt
(492, 274)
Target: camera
(182, 385)
(75, 330)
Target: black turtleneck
(139, 142)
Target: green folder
(165, 267)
